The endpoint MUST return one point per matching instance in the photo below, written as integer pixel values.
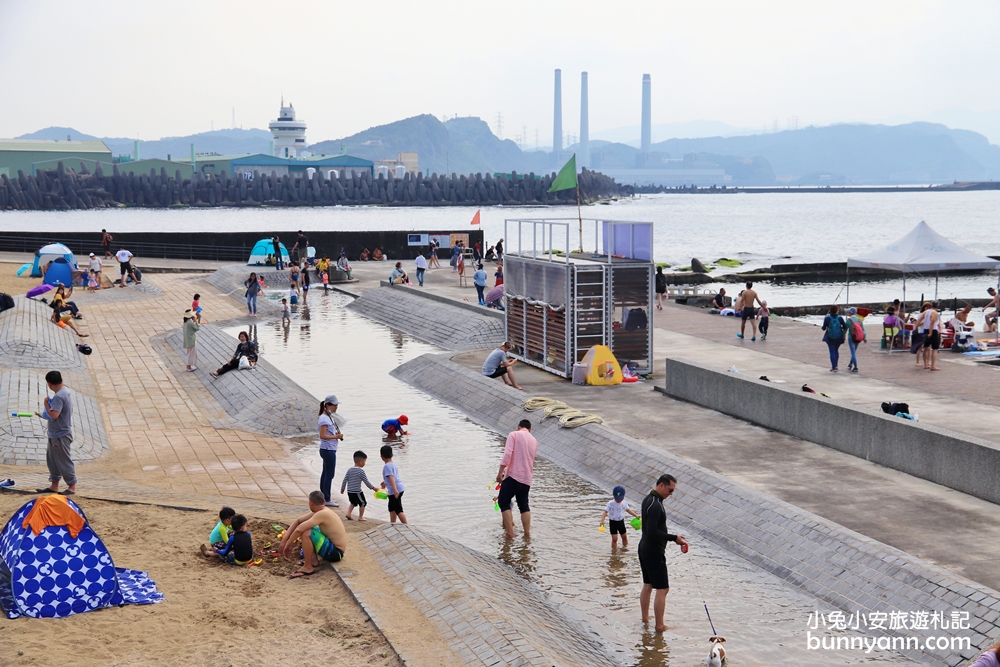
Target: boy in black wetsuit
(239, 549)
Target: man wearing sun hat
(190, 344)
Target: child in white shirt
(616, 511)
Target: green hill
(459, 145)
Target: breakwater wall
(819, 272)
(822, 189)
(955, 460)
(844, 569)
(65, 189)
(232, 246)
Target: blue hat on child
(618, 492)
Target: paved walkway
(159, 428)
(964, 396)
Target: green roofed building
(328, 163)
(145, 165)
(246, 165)
(23, 154)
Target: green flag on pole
(566, 178)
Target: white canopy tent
(921, 251)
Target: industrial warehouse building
(265, 164)
(24, 154)
(29, 155)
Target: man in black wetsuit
(652, 548)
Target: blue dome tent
(52, 574)
(59, 273)
(263, 248)
(48, 253)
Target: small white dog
(717, 656)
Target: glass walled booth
(561, 303)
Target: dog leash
(697, 583)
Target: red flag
(475, 219)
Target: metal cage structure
(561, 303)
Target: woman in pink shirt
(514, 475)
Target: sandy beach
(213, 613)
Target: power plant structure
(557, 132)
(647, 139)
(583, 157)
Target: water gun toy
(22, 414)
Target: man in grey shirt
(497, 365)
(59, 413)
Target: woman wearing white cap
(329, 434)
(190, 330)
(96, 266)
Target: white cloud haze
(153, 69)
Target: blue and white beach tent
(51, 574)
(263, 248)
(49, 252)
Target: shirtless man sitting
(323, 536)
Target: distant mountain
(459, 145)
(859, 154)
(836, 154)
(631, 134)
(225, 142)
(58, 134)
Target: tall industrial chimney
(583, 159)
(646, 115)
(557, 135)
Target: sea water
(448, 465)
(757, 229)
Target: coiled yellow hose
(568, 417)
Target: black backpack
(6, 301)
(895, 408)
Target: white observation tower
(289, 134)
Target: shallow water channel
(447, 464)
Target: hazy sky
(151, 69)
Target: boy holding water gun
(616, 510)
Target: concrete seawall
(434, 321)
(486, 612)
(840, 567)
(955, 460)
